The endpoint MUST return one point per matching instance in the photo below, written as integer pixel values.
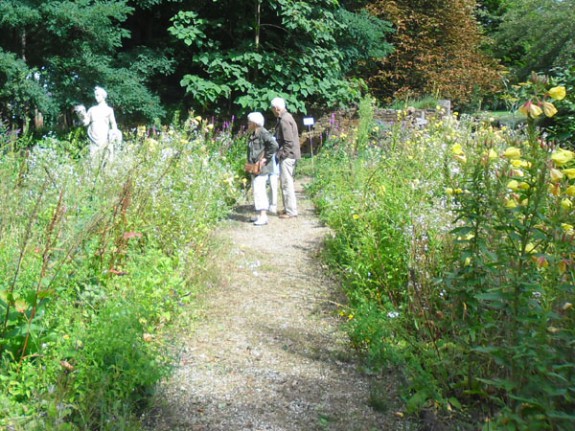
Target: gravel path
(269, 354)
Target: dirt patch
(270, 353)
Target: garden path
(269, 353)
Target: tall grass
(456, 245)
(96, 259)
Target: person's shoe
(273, 209)
(286, 215)
(261, 221)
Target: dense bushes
(456, 243)
(96, 261)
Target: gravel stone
(269, 353)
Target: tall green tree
(54, 52)
(243, 53)
(439, 52)
(537, 35)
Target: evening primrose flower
(557, 93)
(566, 204)
(524, 186)
(513, 185)
(556, 175)
(457, 149)
(461, 158)
(570, 191)
(567, 227)
(492, 154)
(530, 109)
(512, 153)
(555, 189)
(561, 156)
(549, 109)
(518, 163)
(511, 203)
(570, 173)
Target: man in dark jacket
(287, 136)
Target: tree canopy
(536, 35)
(224, 57)
(438, 51)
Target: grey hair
(278, 103)
(256, 118)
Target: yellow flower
(570, 173)
(557, 93)
(530, 109)
(513, 185)
(530, 248)
(356, 216)
(448, 191)
(492, 154)
(566, 204)
(511, 203)
(523, 185)
(516, 173)
(535, 111)
(567, 227)
(512, 153)
(556, 175)
(570, 191)
(461, 158)
(456, 149)
(518, 163)
(562, 157)
(549, 109)
(467, 261)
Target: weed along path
(269, 353)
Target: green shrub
(98, 260)
(455, 243)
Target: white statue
(102, 128)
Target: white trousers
(287, 169)
(261, 201)
(273, 196)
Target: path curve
(270, 354)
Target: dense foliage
(54, 53)
(96, 260)
(456, 243)
(214, 57)
(438, 51)
(536, 35)
(301, 51)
